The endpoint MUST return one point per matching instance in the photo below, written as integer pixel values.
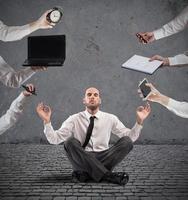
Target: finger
(147, 106)
(44, 68)
(140, 108)
(151, 86)
(31, 87)
(153, 58)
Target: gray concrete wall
(100, 37)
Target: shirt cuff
(138, 126)
(171, 103)
(29, 72)
(47, 126)
(21, 98)
(158, 34)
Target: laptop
(46, 50)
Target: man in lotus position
(86, 137)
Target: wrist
(139, 121)
(34, 26)
(46, 121)
(164, 100)
(166, 62)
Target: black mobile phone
(144, 89)
(141, 38)
(27, 89)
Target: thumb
(152, 58)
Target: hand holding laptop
(36, 68)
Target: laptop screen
(46, 47)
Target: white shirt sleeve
(12, 33)
(120, 130)
(180, 59)
(60, 135)
(174, 26)
(13, 113)
(178, 108)
(12, 78)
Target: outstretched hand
(44, 112)
(142, 113)
(160, 58)
(31, 88)
(43, 23)
(145, 37)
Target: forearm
(13, 113)
(12, 78)
(53, 137)
(162, 99)
(174, 26)
(134, 133)
(16, 79)
(180, 59)
(34, 26)
(178, 108)
(13, 33)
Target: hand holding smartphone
(145, 90)
(141, 38)
(28, 90)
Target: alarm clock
(54, 16)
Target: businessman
(86, 137)
(8, 76)
(16, 109)
(176, 25)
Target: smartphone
(144, 89)
(141, 38)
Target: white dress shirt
(178, 108)
(12, 78)
(176, 25)
(104, 124)
(13, 113)
(8, 76)
(12, 33)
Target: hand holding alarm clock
(55, 15)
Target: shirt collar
(88, 115)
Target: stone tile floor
(42, 172)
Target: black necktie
(89, 131)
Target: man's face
(92, 98)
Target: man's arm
(14, 79)
(178, 60)
(14, 112)
(54, 136)
(177, 107)
(174, 26)
(12, 33)
(120, 130)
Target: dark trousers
(96, 164)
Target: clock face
(55, 16)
